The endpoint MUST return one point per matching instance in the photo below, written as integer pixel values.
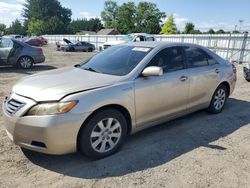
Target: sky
(205, 14)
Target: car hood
(111, 43)
(54, 85)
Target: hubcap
(25, 62)
(219, 99)
(105, 135)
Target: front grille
(12, 106)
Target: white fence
(235, 47)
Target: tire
(25, 62)
(72, 49)
(248, 79)
(97, 140)
(219, 100)
(90, 50)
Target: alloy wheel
(219, 99)
(105, 135)
(25, 62)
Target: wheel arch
(25, 56)
(117, 107)
(227, 85)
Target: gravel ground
(199, 150)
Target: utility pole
(235, 27)
(241, 22)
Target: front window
(116, 60)
(128, 38)
(170, 59)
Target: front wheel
(103, 134)
(25, 62)
(219, 99)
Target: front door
(164, 96)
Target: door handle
(217, 71)
(183, 78)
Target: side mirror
(152, 71)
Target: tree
(220, 31)
(93, 24)
(189, 28)
(126, 18)
(211, 31)
(36, 27)
(16, 27)
(169, 27)
(196, 31)
(50, 12)
(148, 18)
(2, 29)
(109, 14)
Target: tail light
(40, 51)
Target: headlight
(51, 108)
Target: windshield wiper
(90, 69)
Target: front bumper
(54, 134)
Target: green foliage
(16, 27)
(189, 28)
(36, 27)
(46, 17)
(126, 18)
(2, 28)
(211, 31)
(220, 31)
(149, 18)
(93, 24)
(109, 14)
(169, 27)
(196, 31)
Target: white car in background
(20, 38)
(133, 37)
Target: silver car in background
(93, 106)
(16, 53)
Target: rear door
(5, 48)
(204, 76)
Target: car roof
(154, 44)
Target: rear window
(6, 43)
(196, 57)
(116, 60)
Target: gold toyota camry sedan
(93, 106)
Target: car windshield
(116, 60)
(128, 38)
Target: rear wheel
(103, 134)
(25, 62)
(219, 99)
(90, 50)
(72, 49)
